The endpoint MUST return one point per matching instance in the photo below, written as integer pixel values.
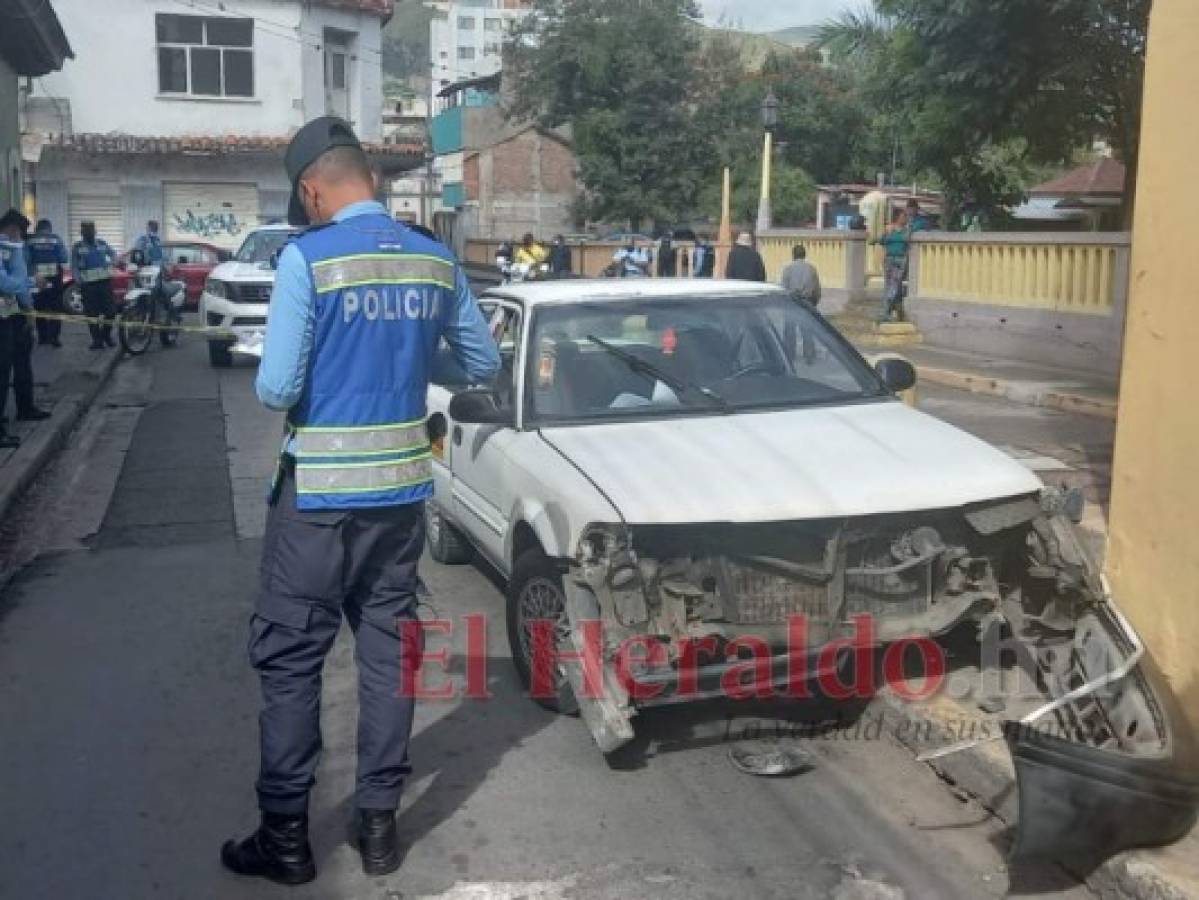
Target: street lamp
(770, 121)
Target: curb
(1033, 394)
(33, 454)
(985, 773)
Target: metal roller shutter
(220, 214)
(99, 203)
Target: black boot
(277, 851)
(375, 838)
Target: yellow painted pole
(764, 216)
(724, 238)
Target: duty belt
(362, 460)
(47, 270)
(89, 275)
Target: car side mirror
(481, 406)
(897, 374)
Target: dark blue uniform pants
(315, 566)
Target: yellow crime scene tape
(116, 321)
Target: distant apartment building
(466, 39)
(180, 110)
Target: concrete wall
(1153, 553)
(112, 85)
(10, 138)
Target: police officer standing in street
(15, 227)
(359, 308)
(15, 288)
(91, 263)
(47, 260)
(150, 245)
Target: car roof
(580, 290)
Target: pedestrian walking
(15, 297)
(667, 264)
(896, 241)
(47, 262)
(800, 278)
(345, 528)
(92, 260)
(560, 263)
(150, 245)
(704, 262)
(745, 262)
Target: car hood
(259, 273)
(826, 462)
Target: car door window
(503, 322)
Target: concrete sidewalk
(66, 381)
(1064, 389)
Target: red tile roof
(1103, 177)
(206, 144)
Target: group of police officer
(32, 274)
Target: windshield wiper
(678, 385)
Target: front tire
(535, 592)
(219, 355)
(446, 543)
(134, 331)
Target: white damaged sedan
(698, 488)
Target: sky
(768, 15)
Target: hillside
(799, 36)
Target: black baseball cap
(311, 142)
(14, 217)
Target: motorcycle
(154, 304)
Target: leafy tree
(974, 80)
(618, 72)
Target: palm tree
(856, 35)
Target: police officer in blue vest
(47, 261)
(359, 308)
(15, 300)
(150, 245)
(92, 260)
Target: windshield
(259, 246)
(653, 357)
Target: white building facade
(179, 110)
(466, 39)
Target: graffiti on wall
(208, 225)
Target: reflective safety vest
(93, 262)
(47, 255)
(9, 305)
(383, 295)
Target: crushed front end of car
(668, 614)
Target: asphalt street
(129, 711)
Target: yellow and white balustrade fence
(1065, 273)
(828, 251)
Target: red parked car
(188, 261)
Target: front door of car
(478, 454)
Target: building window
(491, 50)
(466, 23)
(493, 25)
(205, 56)
(466, 52)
